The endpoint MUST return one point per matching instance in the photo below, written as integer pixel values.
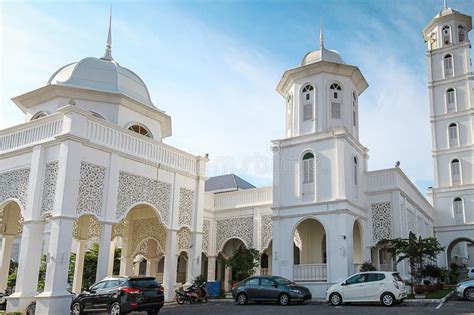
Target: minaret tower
(451, 108)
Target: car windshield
(397, 277)
(144, 283)
(283, 281)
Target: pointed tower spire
(108, 47)
(445, 4)
(321, 35)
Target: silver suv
(465, 289)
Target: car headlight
(295, 291)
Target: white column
(28, 269)
(110, 269)
(79, 266)
(56, 299)
(5, 256)
(104, 250)
(228, 278)
(211, 268)
(169, 272)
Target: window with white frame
(335, 96)
(461, 33)
(455, 172)
(458, 210)
(308, 168)
(356, 171)
(446, 33)
(450, 100)
(39, 115)
(308, 174)
(354, 109)
(448, 65)
(453, 135)
(307, 98)
(141, 130)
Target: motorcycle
(195, 293)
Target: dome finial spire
(445, 4)
(321, 35)
(108, 47)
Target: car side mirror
(344, 283)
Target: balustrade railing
(30, 133)
(310, 272)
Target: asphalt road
(452, 306)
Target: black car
(269, 289)
(120, 295)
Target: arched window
(335, 96)
(448, 65)
(356, 171)
(455, 172)
(354, 109)
(308, 174)
(141, 130)
(450, 100)
(458, 210)
(453, 135)
(97, 115)
(446, 33)
(307, 98)
(39, 115)
(461, 33)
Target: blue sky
(214, 65)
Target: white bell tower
(451, 108)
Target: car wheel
(241, 299)
(180, 299)
(469, 294)
(284, 299)
(76, 309)
(335, 299)
(387, 299)
(115, 309)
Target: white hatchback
(372, 286)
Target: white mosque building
(89, 163)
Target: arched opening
(335, 96)
(455, 172)
(307, 174)
(224, 274)
(39, 115)
(461, 33)
(182, 267)
(357, 245)
(11, 226)
(448, 65)
(143, 238)
(309, 237)
(307, 100)
(458, 211)
(450, 100)
(446, 33)
(461, 252)
(453, 135)
(141, 129)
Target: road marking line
(439, 306)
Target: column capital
(62, 217)
(105, 222)
(34, 222)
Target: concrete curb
(442, 300)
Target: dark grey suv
(269, 289)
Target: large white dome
(102, 75)
(322, 54)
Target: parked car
(465, 289)
(269, 289)
(120, 295)
(470, 272)
(373, 286)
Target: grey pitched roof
(224, 183)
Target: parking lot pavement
(452, 306)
